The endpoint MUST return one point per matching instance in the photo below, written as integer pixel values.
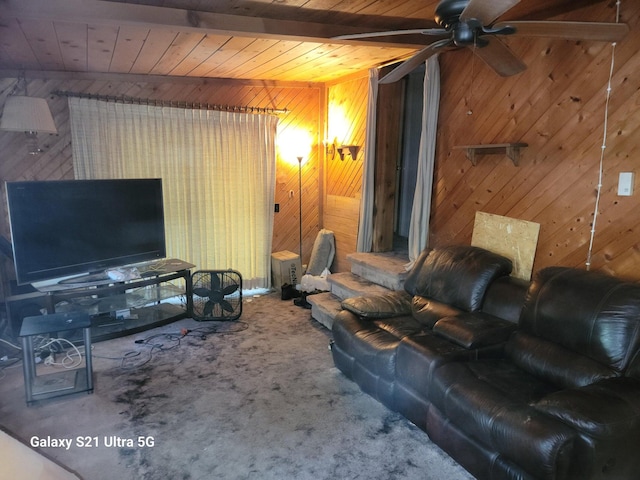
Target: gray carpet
(260, 399)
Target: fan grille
(216, 295)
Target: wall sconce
(30, 115)
(333, 148)
(351, 149)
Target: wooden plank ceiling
(275, 40)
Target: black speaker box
(25, 305)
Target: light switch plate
(625, 184)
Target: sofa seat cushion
(491, 401)
(608, 408)
(400, 327)
(428, 311)
(419, 355)
(373, 343)
(474, 330)
(372, 347)
(392, 304)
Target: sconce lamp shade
(27, 114)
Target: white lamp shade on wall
(27, 114)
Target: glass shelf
(123, 308)
(131, 299)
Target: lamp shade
(27, 114)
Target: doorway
(407, 166)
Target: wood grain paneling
(346, 123)
(163, 38)
(304, 101)
(557, 106)
(341, 217)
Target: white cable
(69, 360)
(10, 344)
(604, 144)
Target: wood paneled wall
(305, 103)
(558, 107)
(346, 122)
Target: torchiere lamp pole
(300, 203)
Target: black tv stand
(162, 295)
(88, 278)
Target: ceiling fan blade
(415, 31)
(499, 57)
(486, 10)
(605, 32)
(409, 65)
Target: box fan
(217, 295)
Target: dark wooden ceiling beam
(98, 12)
(145, 78)
(545, 9)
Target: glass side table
(67, 382)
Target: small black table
(61, 383)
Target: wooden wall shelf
(511, 150)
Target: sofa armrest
(474, 330)
(605, 409)
(386, 305)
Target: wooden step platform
(347, 285)
(386, 269)
(371, 274)
(324, 307)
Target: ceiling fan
(469, 23)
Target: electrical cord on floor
(7, 363)
(175, 338)
(9, 344)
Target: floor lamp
(300, 205)
(302, 301)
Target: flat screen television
(73, 227)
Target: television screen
(63, 228)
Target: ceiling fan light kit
(469, 24)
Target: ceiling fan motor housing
(448, 12)
(465, 33)
(470, 24)
(468, 33)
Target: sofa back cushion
(457, 275)
(584, 314)
(554, 363)
(505, 297)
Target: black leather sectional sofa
(514, 380)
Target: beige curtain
(218, 172)
(365, 226)
(421, 211)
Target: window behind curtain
(218, 172)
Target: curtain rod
(170, 103)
